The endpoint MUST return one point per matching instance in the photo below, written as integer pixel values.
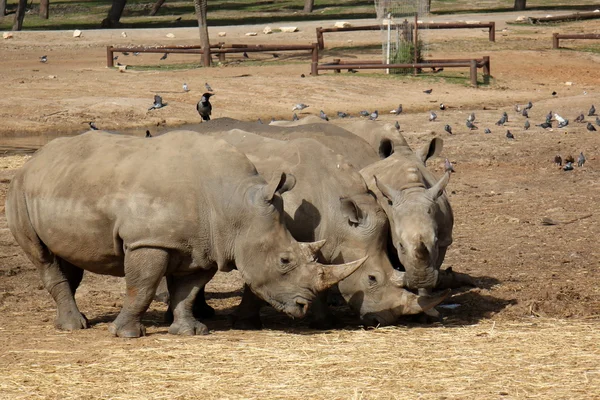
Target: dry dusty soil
(530, 330)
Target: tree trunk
(201, 6)
(520, 5)
(19, 15)
(309, 5)
(156, 7)
(114, 14)
(44, 7)
(2, 8)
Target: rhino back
(89, 195)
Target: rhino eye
(284, 260)
(372, 279)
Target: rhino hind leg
(144, 268)
(61, 279)
(183, 291)
(247, 314)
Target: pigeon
(245, 55)
(208, 88)
(374, 115)
(568, 167)
(115, 58)
(570, 159)
(119, 65)
(509, 135)
(558, 160)
(598, 121)
(528, 106)
(364, 113)
(553, 93)
(136, 53)
(148, 134)
(545, 125)
(549, 116)
(178, 19)
(260, 121)
(487, 131)
(272, 119)
(448, 166)
(125, 53)
(505, 116)
(592, 111)
(342, 114)
(44, 59)
(295, 117)
(558, 118)
(590, 127)
(525, 113)
(517, 108)
(185, 87)
(527, 124)
(324, 116)
(471, 117)
(580, 118)
(442, 106)
(440, 69)
(275, 55)
(448, 129)
(563, 123)
(470, 125)
(397, 111)
(204, 107)
(432, 116)
(164, 57)
(397, 125)
(580, 160)
(299, 107)
(428, 91)
(501, 121)
(158, 103)
(93, 126)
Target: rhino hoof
(130, 330)
(71, 322)
(190, 328)
(247, 323)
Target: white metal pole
(389, 38)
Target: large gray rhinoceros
(331, 200)
(180, 205)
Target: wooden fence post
(314, 70)
(555, 41)
(473, 72)
(109, 57)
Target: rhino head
(276, 267)
(376, 290)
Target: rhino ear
(431, 149)
(438, 189)
(351, 210)
(279, 184)
(388, 192)
(386, 148)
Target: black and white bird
(580, 160)
(568, 166)
(527, 124)
(164, 57)
(204, 107)
(432, 116)
(591, 127)
(558, 160)
(342, 114)
(92, 126)
(509, 135)
(448, 167)
(158, 103)
(580, 118)
(207, 86)
(374, 115)
(448, 129)
(428, 91)
(442, 106)
(148, 134)
(563, 123)
(295, 117)
(185, 87)
(44, 59)
(323, 116)
(471, 125)
(398, 110)
(592, 111)
(487, 131)
(300, 107)
(136, 53)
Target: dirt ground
(530, 330)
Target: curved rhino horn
(310, 249)
(330, 275)
(436, 190)
(415, 304)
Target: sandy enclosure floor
(530, 330)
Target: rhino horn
(418, 304)
(398, 278)
(331, 274)
(436, 190)
(312, 248)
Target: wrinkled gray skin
(420, 215)
(383, 138)
(331, 201)
(179, 205)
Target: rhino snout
(426, 279)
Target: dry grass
(542, 359)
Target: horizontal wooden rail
(562, 18)
(557, 36)
(491, 26)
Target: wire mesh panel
(402, 40)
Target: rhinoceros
(331, 200)
(383, 138)
(180, 205)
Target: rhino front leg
(184, 291)
(144, 268)
(247, 314)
